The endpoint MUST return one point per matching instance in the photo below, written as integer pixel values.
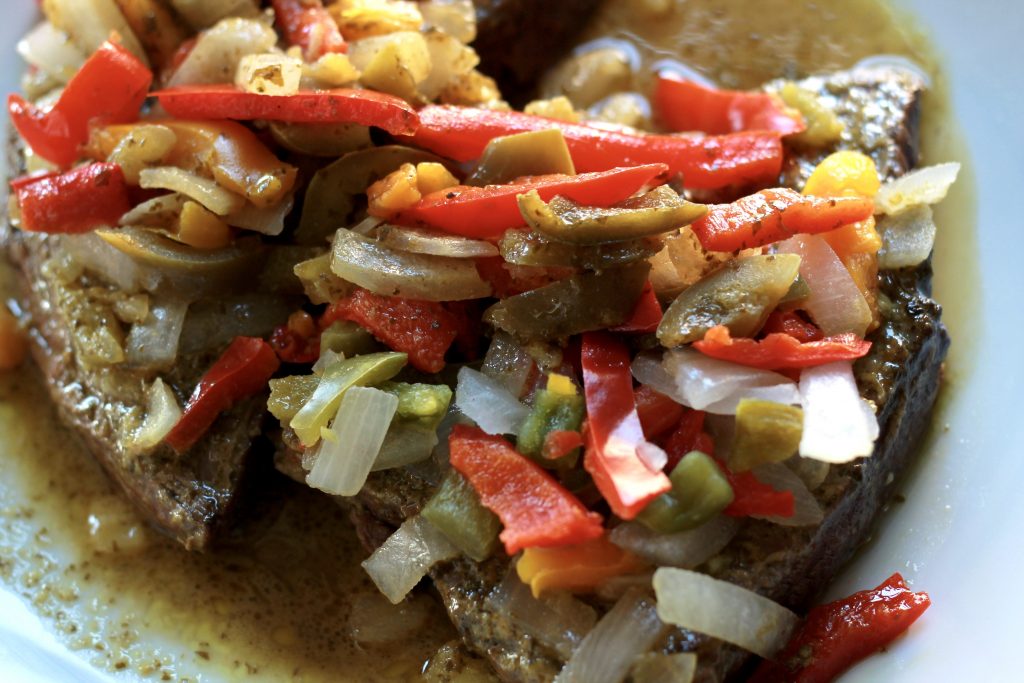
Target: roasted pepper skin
(78, 201)
(307, 23)
(688, 106)
(780, 351)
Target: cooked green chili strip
(699, 492)
(348, 339)
(765, 432)
(508, 157)
(559, 407)
(527, 248)
(455, 509)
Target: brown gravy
(289, 601)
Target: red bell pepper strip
(688, 435)
(77, 201)
(614, 428)
(110, 87)
(243, 370)
(773, 215)
(706, 162)
(688, 106)
(422, 329)
(839, 634)
(658, 413)
(753, 497)
(487, 212)
(560, 443)
(645, 317)
(780, 351)
(307, 24)
(340, 105)
(792, 324)
(534, 508)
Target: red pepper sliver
(706, 162)
(645, 317)
(792, 324)
(77, 201)
(658, 413)
(614, 428)
(535, 509)
(773, 215)
(309, 25)
(780, 351)
(688, 106)
(688, 435)
(110, 87)
(422, 329)
(753, 497)
(560, 443)
(340, 105)
(242, 371)
(839, 634)
(487, 212)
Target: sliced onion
(450, 59)
(807, 511)
(835, 303)
(158, 212)
(269, 73)
(628, 630)
(722, 610)
(457, 18)
(111, 264)
(364, 262)
(203, 13)
(485, 401)
(406, 557)
(203, 190)
(927, 185)
(266, 221)
(839, 426)
(658, 667)
(90, 23)
(162, 413)
(153, 344)
(557, 619)
(509, 363)
(405, 444)
(907, 238)
(217, 52)
(686, 549)
(812, 473)
(419, 241)
(351, 444)
(51, 50)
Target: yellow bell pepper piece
(201, 228)
(579, 568)
(433, 177)
(844, 174)
(561, 385)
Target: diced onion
(722, 610)
(162, 413)
(927, 185)
(90, 23)
(351, 444)
(153, 344)
(203, 190)
(450, 59)
(508, 362)
(658, 667)
(405, 444)
(457, 18)
(218, 51)
(434, 243)
(907, 238)
(839, 426)
(111, 264)
(406, 557)
(388, 272)
(685, 549)
(51, 50)
(269, 74)
(557, 619)
(835, 303)
(266, 221)
(485, 401)
(628, 630)
(807, 511)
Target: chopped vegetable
(611, 458)
(844, 174)
(307, 24)
(557, 408)
(455, 509)
(823, 126)
(534, 153)
(350, 445)
(242, 371)
(486, 212)
(337, 379)
(658, 211)
(527, 248)
(837, 635)
(927, 185)
(778, 351)
(417, 241)
(907, 238)
(699, 493)
(688, 106)
(740, 295)
(90, 23)
(77, 201)
(162, 413)
(213, 56)
(488, 403)
(414, 431)
(722, 610)
(49, 49)
(686, 549)
(754, 498)
(765, 432)
(658, 413)
(340, 105)
(422, 329)
(646, 316)
(688, 436)
(705, 162)
(289, 394)
(576, 568)
(792, 324)
(839, 426)
(406, 556)
(773, 215)
(202, 190)
(806, 510)
(110, 88)
(535, 509)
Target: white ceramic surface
(959, 534)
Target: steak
(901, 376)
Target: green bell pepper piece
(539, 152)
(765, 432)
(455, 509)
(699, 492)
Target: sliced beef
(902, 374)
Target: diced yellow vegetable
(561, 385)
(396, 191)
(580, 568)
(559, 108)
(269, 74)
(823, 126)
(332, 70)
(201, 228)
(844, 174)
(359, 19)
(433, 177)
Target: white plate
(958, 535)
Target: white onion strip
(203, 190)
(406, 557)
(349, 448)
(685, 549)
(47, 48)
(488, 403)
(907, 238)
(807, 511)
(722, 610)
(927, 185)
(162, 413)
(839, 426)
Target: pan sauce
(288, 600)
